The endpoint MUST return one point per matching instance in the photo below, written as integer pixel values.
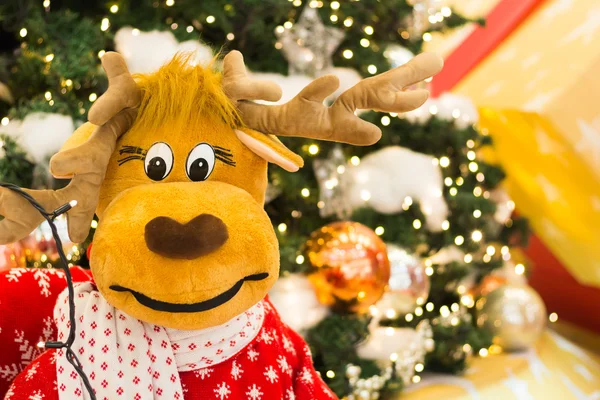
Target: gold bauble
(350, 267)
(515, 314)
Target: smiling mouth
(192, 307)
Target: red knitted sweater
(275, 365)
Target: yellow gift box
(539, 95)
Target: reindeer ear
(269, 148)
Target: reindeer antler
(86, 164)
(238, 86)
(306, 115)
(122, 90)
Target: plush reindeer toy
(174, 163)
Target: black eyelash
(132, 150)
(137, 153)
(226, 161)
(224, 155)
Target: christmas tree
(423, 199)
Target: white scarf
(126, 357)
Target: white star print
(288, 345)
(254, 392)
(252, 355)
(546, 144)
(551, 230)
(536, 365)
(307, 351)
(284, 366)
(589, 142)
(203, 373)
(37, 395)
(289, 395)
(571, 348)
(539, 75)
(596, 203)
(32, 371)
(578, 394)
(531, 60)
(517, 386)
(583, 371)
(508, 54)
(556, 8)
(493, 89)
(551, 192)
(222, 391)
(538, 102)
(306, 376)
(585, 29)
(266, 337)
(271, 374)
(236, 371)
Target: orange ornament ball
(488, 284)
(350, 268)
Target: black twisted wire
(49, 217)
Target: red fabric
(27, 298)
(276, 365)
(561, 292)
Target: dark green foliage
(58, 57)
(333, 341)
(14, 166)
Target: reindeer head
(175, 165)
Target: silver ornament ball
(408, 285)
(515, 314)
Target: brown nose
(169, 238)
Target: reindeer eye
(200, 162)
(159, 161)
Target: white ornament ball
(290, 85)
(397, 55)
(40, 134)
(348, 77)
(458, 108)
(146, 52)
(384, 178)
(420, 115)
(294, 298)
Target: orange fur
(183, 94)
